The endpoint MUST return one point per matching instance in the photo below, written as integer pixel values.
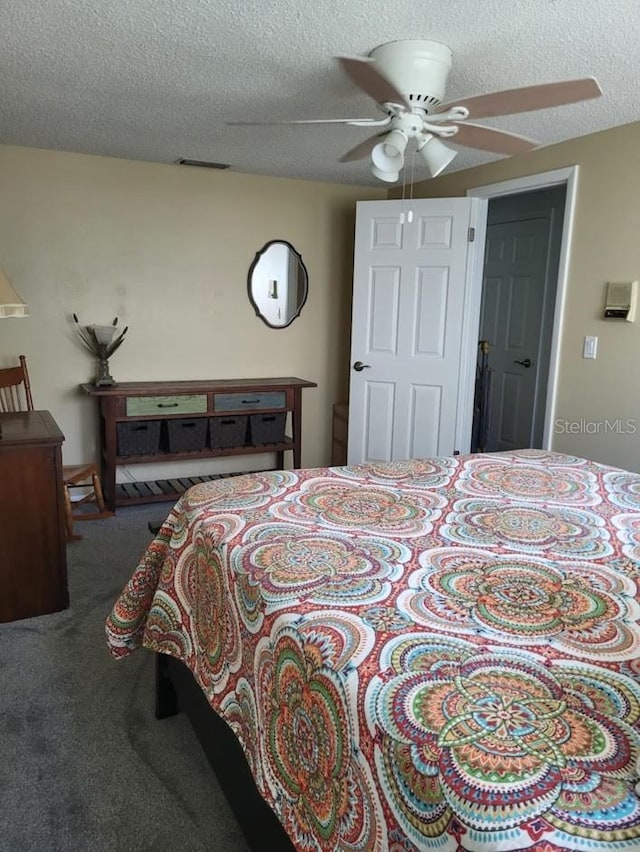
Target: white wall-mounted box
(620, 301)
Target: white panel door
(408, 337)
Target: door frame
(543, 180)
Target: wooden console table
(163, 402)
(33, 552)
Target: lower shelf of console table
(162, 490)
(133, 404)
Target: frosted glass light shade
(436, 155)
(388, 155)
(11, 304)
(389, 177)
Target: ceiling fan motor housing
(417, 68)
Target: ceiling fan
(407, 79)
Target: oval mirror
(278, 283)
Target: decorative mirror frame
(305, 289)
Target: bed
(435, 654)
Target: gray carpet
(84, 764)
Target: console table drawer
(253, 401)
(138, 406)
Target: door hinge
(472, 234)
(456, 452)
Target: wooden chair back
(15, 395)
(15, 389)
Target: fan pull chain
(402, 216)
(409, 215)
(413, 162)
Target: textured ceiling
(157, 79)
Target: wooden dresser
(33, 556)
(152, 422)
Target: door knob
(526, 363)
(359, 366)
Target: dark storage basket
(268, 428)
(186, 434)
(225, 432)
(138, 437)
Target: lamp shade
(436, 154)
(11, 305)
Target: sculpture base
(104, 377)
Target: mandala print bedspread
(436, 654)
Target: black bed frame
(177, 690)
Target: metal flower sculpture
(102, 341)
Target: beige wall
(605, 247)
(167, 248)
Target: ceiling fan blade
(363, 149)
(360, 122)
(490, 139)
(527, 98)
(365, 75)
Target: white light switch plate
(590, 349)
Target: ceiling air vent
(203, 164)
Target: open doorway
(567, 179)
(519, 289)
(381, 305)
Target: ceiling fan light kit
(407, 79)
